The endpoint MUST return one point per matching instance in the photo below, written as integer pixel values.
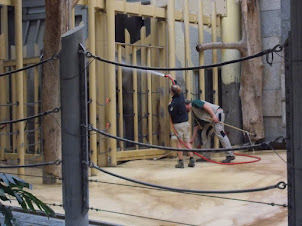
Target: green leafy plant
(12, 186)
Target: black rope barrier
(279, 185)
(55, 110)
(57, 162)
(262, 145)
(188, 193)
(139, 216)
(30, 175)
(126, 214)
(54, 57)
(275, 49)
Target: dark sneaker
(191, 163)
(180, 164)
(228, 159)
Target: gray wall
(274, 29)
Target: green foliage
(12, 186)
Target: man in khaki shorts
(179, 116)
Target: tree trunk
(57, 22)
(252, 70)
(251, 75)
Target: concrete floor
(133, 205)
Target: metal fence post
(74, 137)
(293, 114)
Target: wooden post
(4, 111)
(135, 107)
(4, 30)
(3, 101)
(201, 53)
(155, 82)
(188, 74)
(230, 74)
(92, 83)
(171, 34)
(149, 84)
(144, 95)
(101, 69)
(111, 81)
(120, 97)
(164, 88)
(14, 100)
(24, 104)
(19, 77)
(36, 101)
(214, 61)
(72, 18)
(171, 42)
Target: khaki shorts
(183, 130)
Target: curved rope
(280, 185)
(57, 162)
(54, 57)
(262, 145)
(277, 48)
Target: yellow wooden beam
(193, 18)
(139, 154)
(82, 2)
(4, 32)
(7, 2)
(26, 61)
(137, 9)
(92, 82)
(140, 45)
(32, 157)
(19, 77)
(111, 81)
(201, 53)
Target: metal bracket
(221, 7)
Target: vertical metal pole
(74, 137)
(293, 114)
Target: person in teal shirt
(207, 114)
